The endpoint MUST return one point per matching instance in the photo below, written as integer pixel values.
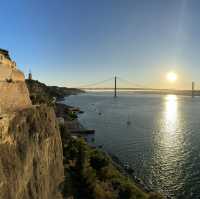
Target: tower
(115, 89)
(193, 87)
(30, 77)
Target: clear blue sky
(73, 42)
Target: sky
(78, 42)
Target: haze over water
(161, 143)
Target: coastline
(119, 181)
(125, 170)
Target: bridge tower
(193, 89)
(115, 89)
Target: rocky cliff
(31, 161)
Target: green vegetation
(89, 173)
(41, 93)
(72, 115)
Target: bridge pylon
(115, 88)
(193, 89)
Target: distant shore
(150, 91)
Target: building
(30, 77)
(8, 69)
(14, 94)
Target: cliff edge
(31, 162)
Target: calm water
(162, 142)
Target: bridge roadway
(149, 91)
(98, 86)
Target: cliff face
(31, 162)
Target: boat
(82, 131)
(128, 121)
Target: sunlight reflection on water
(171, 112)
(162, 142)
(169, 151)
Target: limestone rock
(31, 161)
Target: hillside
(89, 173)
(41, 93)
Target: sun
(171, 76)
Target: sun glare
(171, 76)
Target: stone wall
(13, 96)
(7, 72)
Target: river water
(161, 141)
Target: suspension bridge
(117, 83)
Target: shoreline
(125, 170)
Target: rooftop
(5, 53)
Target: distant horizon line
(137, 89)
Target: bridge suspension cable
(96, 83)
(132, 84)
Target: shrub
(72, 115)
(155, 196)
(98, 160)
(103, 191)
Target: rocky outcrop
(31, 160)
